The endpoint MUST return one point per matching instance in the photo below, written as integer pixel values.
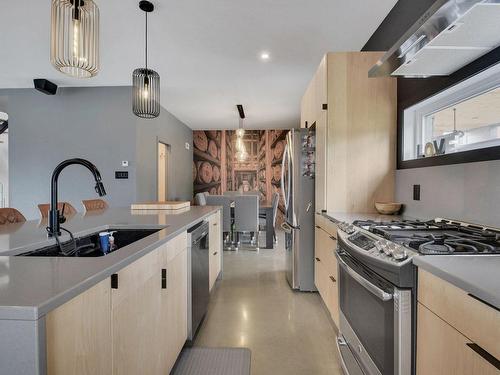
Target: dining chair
(68, 209)
(225, 202)
(275, 199)
(10, 216)
(200, 199)
(246, 217)
(94, 204)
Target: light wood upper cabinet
(355, 135)
(79, 334)
(215, 248)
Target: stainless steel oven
(375, 328)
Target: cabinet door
(79, 334)
(333, 297)
(321, 162)
(442, 350)
(173, 311)
(136, 317)
(215, 248)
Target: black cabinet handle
(484, 302)
(164, 278)
(485, 355)
(215, 253)
(215, 224)
(317, 226)
(333, 238)
(114, 281)
(333, 279)
(317, 259)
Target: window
(461, 119)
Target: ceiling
(206, 52)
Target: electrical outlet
(125, 163)
(187, 146)
(416, 192)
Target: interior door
(163, 158)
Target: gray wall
(93, 123)
(468, 192)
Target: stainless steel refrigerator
(297, 185)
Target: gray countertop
(350, 217)
(476, 274)
(32, 286)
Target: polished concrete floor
(253, 306)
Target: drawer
(441, 349)
(176, 245)
(325, 246)
(473, 318)
(327, 225)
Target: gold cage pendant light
(74, 46)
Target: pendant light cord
(146, 41)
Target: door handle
(317, 226)
(215, 253)
(485, 355)
(333, 279)
(318, 260)
(164, 278)
(375, 290)
(333, 238)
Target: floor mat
(213, 361)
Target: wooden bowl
(387, 208)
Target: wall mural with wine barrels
(218, 167)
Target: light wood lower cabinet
(442, 350)
(79, 334)
(174, 309)
(456, 333)
(326, 274)
(135, 323)
(215, 248)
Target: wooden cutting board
(168, 205)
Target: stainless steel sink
(89, 246)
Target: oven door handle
(375, 290)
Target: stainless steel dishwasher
(198, 283)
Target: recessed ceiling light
(264, 56)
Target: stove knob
(389, 249)
(400, 254)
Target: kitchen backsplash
(468, 192)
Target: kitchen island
(31, 288)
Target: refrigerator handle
(285, 195)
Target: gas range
(435, 237)
(388, 247)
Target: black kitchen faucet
(56, 217)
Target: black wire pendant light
(145, 81)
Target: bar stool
(94, 204)
(11, 216)
(61, 206)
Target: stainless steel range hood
(451, 34)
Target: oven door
(372, 325)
